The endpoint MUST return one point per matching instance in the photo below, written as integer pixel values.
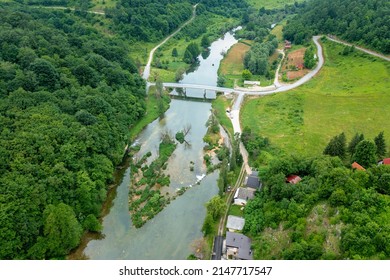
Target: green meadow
(350, 94)
(271, 4)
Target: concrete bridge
(195, 86)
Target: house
(293, 179)
(385, 161)
(235, 223)
(357, 166)
(287, 44)
(253, 181)
(242, 195)
(238, 246)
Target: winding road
(146, 73)
(334, 39)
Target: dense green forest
(68, 95)
(365, 22)
(333, 213)
(148, 20)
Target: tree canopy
(361, 21)
(68, 95)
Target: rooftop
(293, 179)
(357, 166)
(244, 193)
(253, 181)
(242, 242)
(235, 223)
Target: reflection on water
(170, 233)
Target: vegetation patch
(305, 119)
(271, 4)
(232, 64)
(145, 196)
(334, 212)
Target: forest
(333, 213)
(68, 95)
(364, 22)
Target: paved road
(332, 38)
(217, 249)
(146, 72)
(235, 113)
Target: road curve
(332, 38)
(235, 113)
(146, 73)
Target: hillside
(68, 94)
(364, 22)
(333, 213)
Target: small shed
(293, 179)
(242, 195)
(235, 223)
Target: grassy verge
(219, 106)
(152, 113)
(350, 94)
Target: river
(170, 234)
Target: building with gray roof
(235, 223)
(238, 246)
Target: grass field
(99, 5)
(232, 64)
(350, 94)
(271, 4)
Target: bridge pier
(204, 94)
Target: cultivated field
(293, 65)
(349, 94)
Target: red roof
(386, 161)
(357, 166)
(293, 179)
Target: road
(146, 72)
(334, 39)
